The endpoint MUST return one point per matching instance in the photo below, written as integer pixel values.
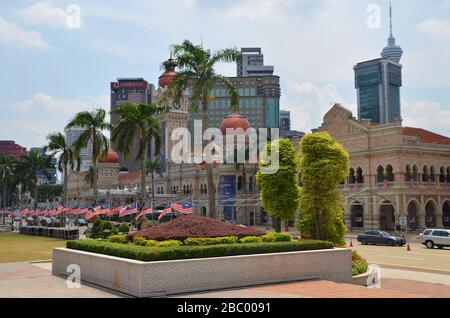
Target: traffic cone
(351, 243)
(408, 248)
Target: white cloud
(11, 33)
(259, 9)
(44, 13)
(438, 29)
(426, 114)
(30, 121)
(308, 103)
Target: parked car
(81, 222)
(380, 237)
(435, 237)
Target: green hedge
(149, 254)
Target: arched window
(351, 176)
(432, 174)
(205, 188)
(425, 174)
(184, 189)
(250, 183)
(408, 174)
(380, 174)
(415, 173)
(442, 175)
(448, 174)
(390, 173)
(240, 183)
(359, 175)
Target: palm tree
(28, 167)
(137, 121)
(196, 70)
(68, 158)
(152, 167)
(94, 124)
(7, 164)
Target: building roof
(426, 136)
(130, 175)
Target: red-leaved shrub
(195, 227)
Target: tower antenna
(390, 18)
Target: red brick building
(9, 147)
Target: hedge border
(152, 254)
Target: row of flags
(89, 213)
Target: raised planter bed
(369, 278)
(150, 279)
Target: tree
(324, 164)
(197, 70)
(28, 167)
(152, 167)
(68, 159)
(89, 177)
(94, 124)
(280, 190)
(137, 121)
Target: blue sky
(49, 71)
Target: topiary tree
(279, 190)
(124, 228)
(324, 164)
(96, 228)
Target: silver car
(435, 237)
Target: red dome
(166, 78)
(234, 121)
(112, 157)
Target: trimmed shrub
(283, 237)
(124, 228)
(251, 239)
(151, 243)
(169, 243)
(149, 254)
(211, 241)
(269, 237)
(96, 228)
(138, 240)
(118, 239)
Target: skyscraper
(137, 91)
(285, 121)
(40, 175)
(252, 63)
(9, 147)
(378, 84)
(72, 136)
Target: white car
(435, 237)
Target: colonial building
(397, 173)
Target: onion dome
(234, 121)
(112, 157)
(167, 77)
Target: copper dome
(234, 121)
(167, 77)
(112, 157)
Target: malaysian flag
(385, 184)
(131, 209)
(185, 208)
(144, 212)
(89, 215)
(135, 98)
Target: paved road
(419, 257)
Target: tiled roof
(426, 137)
(130, 175)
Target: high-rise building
(137, 91)
(41, 177)
(9, 147)
(252, 63)
(285, 121)
(378, 85)
(259, 101)
(72, 136)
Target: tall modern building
(41, 176)
(9, 147)
(378, 84)
(72, 136)
(259, 101)
(252, 63)
(137, 91)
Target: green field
(16, 247)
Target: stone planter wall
(142, 279)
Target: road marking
(418, 259)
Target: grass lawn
(16, 247)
